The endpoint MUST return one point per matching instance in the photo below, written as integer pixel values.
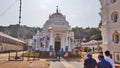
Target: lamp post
(19, 18)
(16, 57)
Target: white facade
(110, 15)
(56, 34)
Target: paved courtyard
(43, 63)
(65, 64)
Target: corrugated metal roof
(10, 37)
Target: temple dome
(56, 15)
(56, 21)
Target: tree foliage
(88, 33)
(28, 32)
(100, 24)
(25, 31)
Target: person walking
(58, 54)
(85, 57)
(103, 63)
(109, 59)
(101, 53)
(90, 62)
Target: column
(51, 38)
(68, 43)
(63, 41)
(66, 40)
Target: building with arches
(110, 16)
(56, 35)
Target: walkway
(65, 64)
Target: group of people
(107, 62)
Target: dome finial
(57, 9)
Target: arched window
(114, 17)
(113, 1)
(116, 39)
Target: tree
(100, 24)
(25, 31)
(87, 33)
(99, 48)
(28, 32)
(87, 49)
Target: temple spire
(57, 9)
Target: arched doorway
(57, 44)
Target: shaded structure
(9, 43)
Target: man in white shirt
(109, 59)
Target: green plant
(99, 48)
(87, 49)
(30, 54)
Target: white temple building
(110, 15)
(56, 35)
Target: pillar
(51, 38)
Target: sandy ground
(4, 63)
(24, 64)
(42, 63)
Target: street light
(19, 18)
(16, 57)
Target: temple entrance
(57, 45)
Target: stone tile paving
(66, 64)
(56, 64)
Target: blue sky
(81, 13)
